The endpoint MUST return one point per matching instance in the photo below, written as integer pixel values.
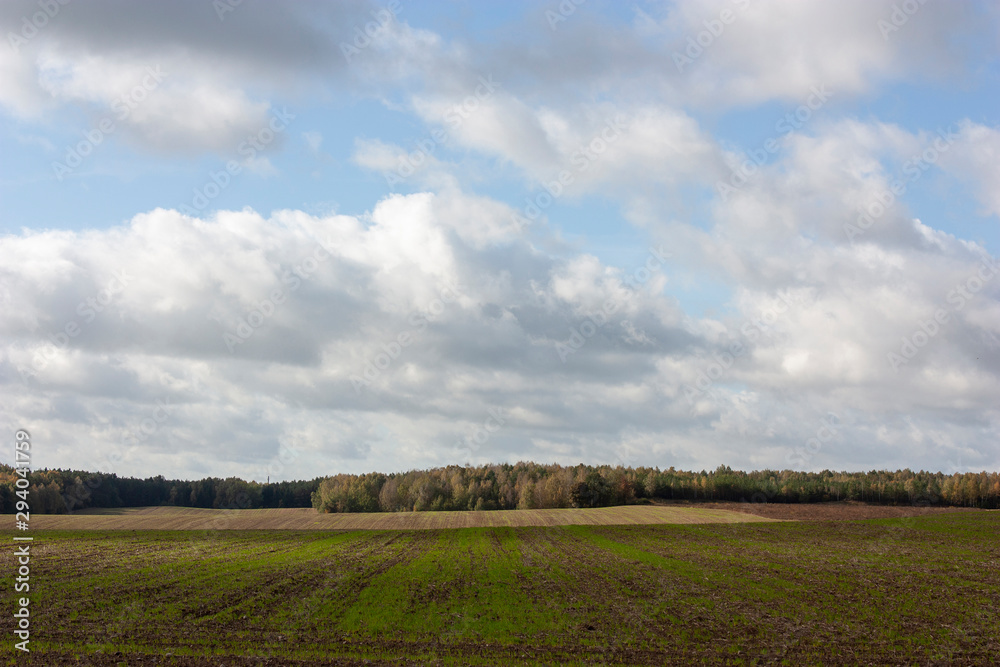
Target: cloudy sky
(292, 239)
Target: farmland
(915, 590)
(183, 518)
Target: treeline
(531, 485)
(63, 491)
(500, 486)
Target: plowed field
(834, 511)
(185, 518)
(921, 590)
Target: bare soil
(833, 511)
(186, 518)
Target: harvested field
(185, 518)
(836, 511)
(922, 590)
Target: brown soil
(679, 512)
(183, 518)
(834, 511)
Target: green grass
(910, 591)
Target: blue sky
(496, 101)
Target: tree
(594, 491)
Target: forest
(523, 485)
(66, 491)
(537, 486)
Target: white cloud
(741, 52)
(217, 78)
(975, 158)
(484, 311)
(159, 306)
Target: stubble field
(912, 590)
(189, 518)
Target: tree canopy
(523, 485)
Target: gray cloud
(285, 331)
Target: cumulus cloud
(198, 311)
(975, 158)
(215, 77)
(736, 51)
(223, 343)
(374, 341)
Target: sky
(284, 240)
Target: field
(910, 590)
(186, 518)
